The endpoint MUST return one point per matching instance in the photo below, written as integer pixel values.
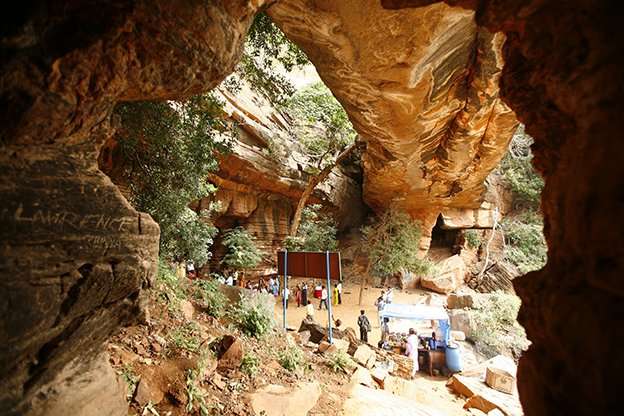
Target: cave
(75, 255)
(444, 238)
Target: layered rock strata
(74, 254)
(563, 78)
(421, 88)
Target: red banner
(310, 264)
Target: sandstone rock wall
(262, 179)
(74, 254)
(563, 78)
(426, 103)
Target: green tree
(242, 252)
(316, 233)
(167, 150)
(392, 244)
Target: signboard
(310, 264)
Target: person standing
(323, 298)
(411, 350)
(285, 295)
(389, 295)
(380, 303)
(339, 287)
(364, 325)
(335, 296)
(298, 295)
(304, 294)
(309, 311)
(385, 333)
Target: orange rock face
(426, 103)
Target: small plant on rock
(339, 361)
(186, 337)
(472, 238)
(250, 364)
(207, 294)
(253, 314)
(131, 379)
(196, 397)
(290, 358)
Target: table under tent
(424, 319)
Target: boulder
(362, 376)
(303, 337)
(276, 400)
(365, 356)
(461, 320)
(450, 276)
(326, 348)
(482, 397)
(187, 310)
(366, 401)
(230, 353)
(402, 387)
(379, 375)
(148, 391)
(458, 336)
(342, 345)
(456, 301)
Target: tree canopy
(317, 232)
(242, 252)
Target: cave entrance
(443, 237)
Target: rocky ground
(185, 362)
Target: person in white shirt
(389, 295)
(411, 349)
(286, 294)
(323, 298)
(229, 281)
(339, 287)
(310, 311)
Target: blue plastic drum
(453, 358)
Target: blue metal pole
(284, 286)
(329, 299)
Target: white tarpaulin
(413, 312)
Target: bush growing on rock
(207, 294)
(473, 238)
(290, 358)
(250, 364)
(168, 287)
(253, 314)
(339, 361)
(496, 330)
(392, 245)
(526, 246)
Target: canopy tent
(418, 313)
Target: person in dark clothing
(304, 294)
(364, 325)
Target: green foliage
(496, 329)
(290, 358)
(526, 247)
(253, 314)
(241, 251)
(317, 232)
(131, 379)
(250, 364)
(392, 245)
(207, 294)
(169, 288)
(186, 336)
(518, 172)
(196, 397)
(267, 55)
(167, 150)
(473, 238)
(321, 124)
(339, 362)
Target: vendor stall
(426, 320)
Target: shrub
(392, 244)
(241, 251)
(526, 247)
(250, 364)
(473, 238)
(253, 314)
(339, 362)
(209, 297)
(129, 376)
(186, 337)
(195, 395)
(290, 358)
(496, 329)
(168, 287)
(317, 232)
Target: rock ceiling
(427, 103)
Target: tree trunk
(314, 181)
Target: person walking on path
(304, 294)
(411, 350)
(298, 295)
(323, 298)
(365, 326)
